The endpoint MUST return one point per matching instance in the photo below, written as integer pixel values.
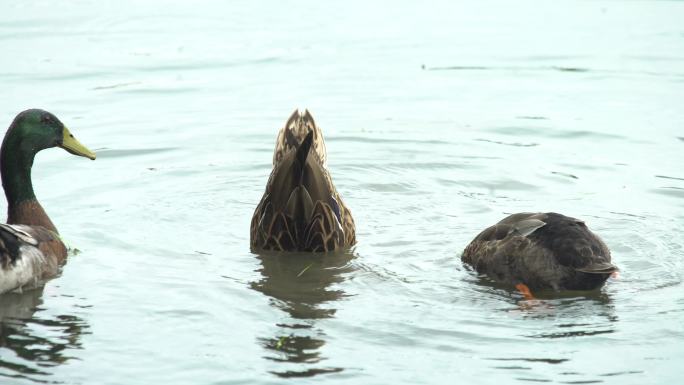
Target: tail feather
(304, 149)
(298, 126)
(598, 268)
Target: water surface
(440, 119)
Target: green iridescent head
(35, 130)
(30, 132)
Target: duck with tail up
(301, 209)
(541, 251)
(30, 246)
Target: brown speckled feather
(301, 209)
(542, 251)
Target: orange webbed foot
(530, 302)
(525, 291)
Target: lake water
(440, 119)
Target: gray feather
(527, 227)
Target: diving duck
(301, 210)
(30, 247)
(540, 251)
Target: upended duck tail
(298, 126)
(300, 204)
(303, 151)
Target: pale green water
(440, 118)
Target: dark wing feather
(572, 243)
(12, 238)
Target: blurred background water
(440, 119)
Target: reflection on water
(29, 342)
(564, 311)
(302, 286)
(552, 320)
(550, 304)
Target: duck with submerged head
(301, 209)
(541, 251)
(30, 247)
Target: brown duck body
(301, 209)
(542, 251)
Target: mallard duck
(30, 247)
(301, 210)
(538, 251)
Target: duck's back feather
(541, 250)
(28, 254)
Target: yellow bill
(75, 147)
